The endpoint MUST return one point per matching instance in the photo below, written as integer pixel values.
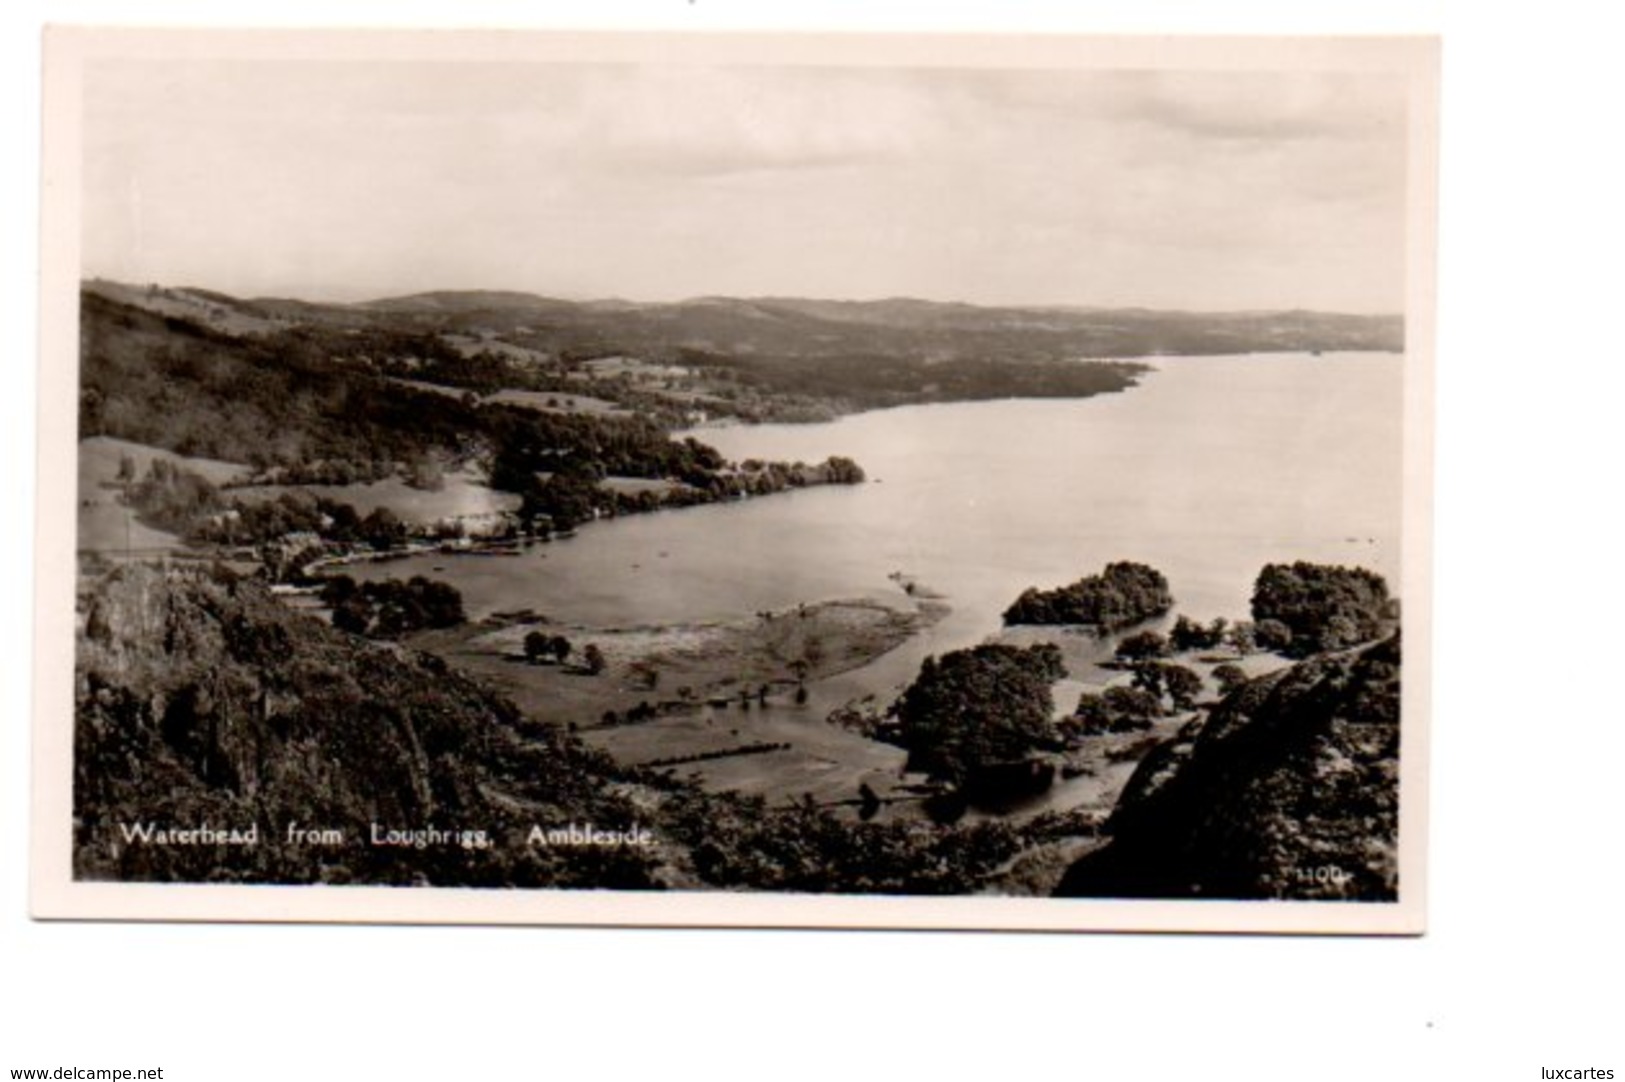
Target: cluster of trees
(1303, 608)
(595, 446)
(876, 380)
(1158, 688)
(1243, 636)
(390, 609)
(742, 841)
(1115, 710)
(325, 472)
(309, 403)
(313, 403)
(1229, 677)
(172, 498)
(1187, 634)
(378, 345)
(557, 465)
(760, 478)
(761, 747)
(539, 644)
(978, 708)
(1125, 593)
(483, 372)
(285, 398)
(354, 735)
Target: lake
(1211, 468)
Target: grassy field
(461, 493)
(699, 672)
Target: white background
(1521, 967)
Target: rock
(202, 699)
(1288, 789)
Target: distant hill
(204, 307)
(800, 327)
(467, 301)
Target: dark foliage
(1323, 607)
(1141, 646)
(202, 699)
(1287, 789)
(1123, 594)
(738, 841)
(390, 609)
(1229, 677)
(977, 708)
(1187, 634)
(1116, 710)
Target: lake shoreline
(731, 704)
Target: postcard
(735, 480)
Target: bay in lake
(1211, 468)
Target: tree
(441, 603)
(1186, 634)
(1132, 702)
(1141, 646)
(336, 590)
(975, 708)
(1324, 607)
(559, 647)
(353, 614)
(1117, 710)
(1229, 677)
(383, 529)
(536, 645)
(1272, 635)
(594, 659)
(1123, 594)
(1338, 632)
(1183, 686)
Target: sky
(347, 180)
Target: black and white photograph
(886, 482)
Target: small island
(1122, 595)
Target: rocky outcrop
(1288, 789)
(202, 700)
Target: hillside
(367, 386)
(201, 700)
(1288, 789)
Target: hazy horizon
(355, 181)
(364, 298)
